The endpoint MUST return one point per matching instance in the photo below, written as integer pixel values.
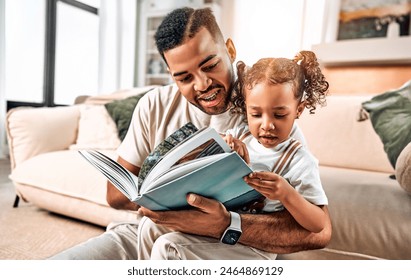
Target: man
(200, 63)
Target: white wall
(264, 28)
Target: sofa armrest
(33, 131)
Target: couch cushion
(104, 119)
(63, 182)
(74, 207)
(63, 172)
(370, 213)
(337, 139)
(96, 129)
(390, 115)
(117, 95)
(32, 131)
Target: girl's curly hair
(303, 73)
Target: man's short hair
(182, 24)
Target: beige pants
(119, 242)
(146, 240)
(156, 242)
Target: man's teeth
(211, 97)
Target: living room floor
(30, 233)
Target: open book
(202, 163)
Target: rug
(30, 233)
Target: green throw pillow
(390, 115)
(121, 112)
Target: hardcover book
(188, 161)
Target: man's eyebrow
(179, 73)
(208, 58)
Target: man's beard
(224, 104)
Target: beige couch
(371, 213)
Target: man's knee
(146, 227)
(166, 247)
(150, 231)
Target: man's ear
(172, 77)
(231, 50)
(168, 71)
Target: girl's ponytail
(315, 85)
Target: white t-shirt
(302, 173)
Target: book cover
(220, 178)
(200, 163)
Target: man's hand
(208, 218)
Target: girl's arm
(308, 215)
(275, 187)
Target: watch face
(231, 237)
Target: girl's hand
(269, 184)
(238, 146)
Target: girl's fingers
(259, 183)
(246, 156)
(264, 175)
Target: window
(24, 50)
(51, 51)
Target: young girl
(272, 94)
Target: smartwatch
(233, 232)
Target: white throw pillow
(97, 129)
(403, 169)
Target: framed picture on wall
(373, 19)
(363, 32)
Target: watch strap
(235, 220)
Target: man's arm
(279, 233)
(114, 197)
(276, 232)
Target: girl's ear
(300, 109)
(231, 50)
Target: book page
(202, 143)
(168, 144)
(211, 147)
(120, 177)
(181, 169)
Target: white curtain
(3, 150)
(117, 45)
